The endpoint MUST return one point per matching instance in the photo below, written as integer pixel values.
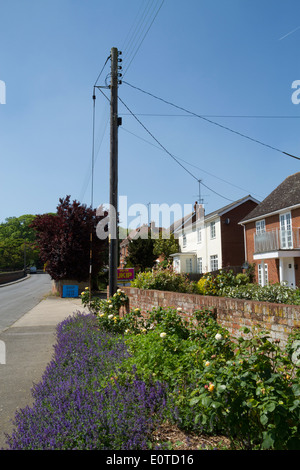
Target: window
(286, 238)
(184, 240)
(263, 278)
(176, 265)
(260, 226)
(199, 235)
(189, 265)
(199, 265)
(213, 230)
(214, 263)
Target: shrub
(253, 397)
(111, 306)
(210, 284)
(275, 293)
(247, 389)
(164, 279)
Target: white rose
(110, 316)
(163, 335)
(218, 337)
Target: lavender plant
(79, 403)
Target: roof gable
(217, 213)
(287, 194)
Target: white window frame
(214, 262)
(286, 234)
(183, 240)
(199, 235)
(189, 265)
(260, 226)
(199, 265)
(263, 280)
(212, 230)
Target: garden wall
(11, 276)
(232, 314)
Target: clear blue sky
(215, 58)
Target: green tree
(17, 243)
(165, 246)
(18, 228)
(140, 253)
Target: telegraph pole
(113, 216)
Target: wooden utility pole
(113, 216)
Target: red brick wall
(233, 247)
(232, 314)
(272, 223)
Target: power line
(141, 39)
(191, 164)
(237, 116)
(169, 153)
(102, 70)
(212, 122)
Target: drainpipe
(245, 242)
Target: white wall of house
(201, 244)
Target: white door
(287, 271)
(286, 238)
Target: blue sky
(237, 59)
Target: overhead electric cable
(167, 151)
(237, 116)
(142, 40)
(191, 164)
(101, 70)
(212, 122)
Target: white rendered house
(213, 241)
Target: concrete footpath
(28, 347)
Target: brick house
(272, 235)
(213, 241)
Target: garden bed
(130, 383)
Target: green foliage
(210, 284)
(165, 246)
(140, 253)
(226, 284)
(246, 388)
(17, 239)
(108, 312)
(18, 228)
(163, 279)
(276, 293)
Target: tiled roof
(217, 212)
(287, 194)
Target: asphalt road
(17, 299)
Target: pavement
(26, 347)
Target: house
(272, 235)
(213, 241)
(140, 232)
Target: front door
(288, 271)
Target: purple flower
(74, 408)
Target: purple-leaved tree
(64, 241)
